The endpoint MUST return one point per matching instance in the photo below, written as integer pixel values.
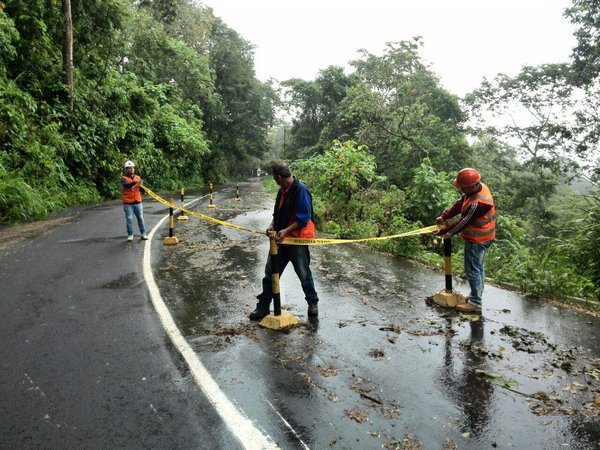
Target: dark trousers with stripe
(299, 256)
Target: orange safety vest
(131, 195)
(306, 232)
(482, 229)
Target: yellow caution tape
(322, 241)
(291, 241)
(198, 215)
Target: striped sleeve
(464, 220)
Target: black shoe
(313, 310)
(259, 314)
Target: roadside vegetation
(170, 86)
(166, 84)
(380, 146)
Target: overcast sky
(465, 40)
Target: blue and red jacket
(294, 204)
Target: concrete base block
(449, 299)
(171, 240)
(285, 320)
(183, 218)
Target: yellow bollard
(171, 239)
(277, 320)
(448, 297)
(237, 193)
(210, 196)
(182, 215)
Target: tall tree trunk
(68, 50)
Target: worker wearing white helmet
(131, 193)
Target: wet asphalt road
(381, 367)
(85, 362)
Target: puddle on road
(413, 373)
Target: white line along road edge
(239, 425)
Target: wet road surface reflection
(380, 367)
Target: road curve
(85, 361)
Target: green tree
(530, 114)
(315, 104)
(410, 117)
(392, 103)
(340, 173)
(585, 15)
(429, 194)
(238, 130)
(153, 79)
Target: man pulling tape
(293, 216)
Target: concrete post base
(285, 320)
(171, 240)
(449, 299)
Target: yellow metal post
(448, 297)
(277, 320)
(182, 215)
(171, 239)
(210, 196)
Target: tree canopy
(165, 83)
(380, 145)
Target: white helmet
(129, 164)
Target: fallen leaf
(409, 442)
(377, 353)
(449, 445)
(497, 379)
(327, 371)
(357, 415)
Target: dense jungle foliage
(165, 83)
(169, 85)
(380, 147)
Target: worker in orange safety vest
(131, 194)
(477, 227)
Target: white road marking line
(34, 388)
(155, 411)
(287, 424)
(240, 426)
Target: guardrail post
(171, 239)
(210, 196)
(448, 263)
(182, 215)
(273, 250)
(277, 320)
(448, 297)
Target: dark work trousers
(299, 256)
